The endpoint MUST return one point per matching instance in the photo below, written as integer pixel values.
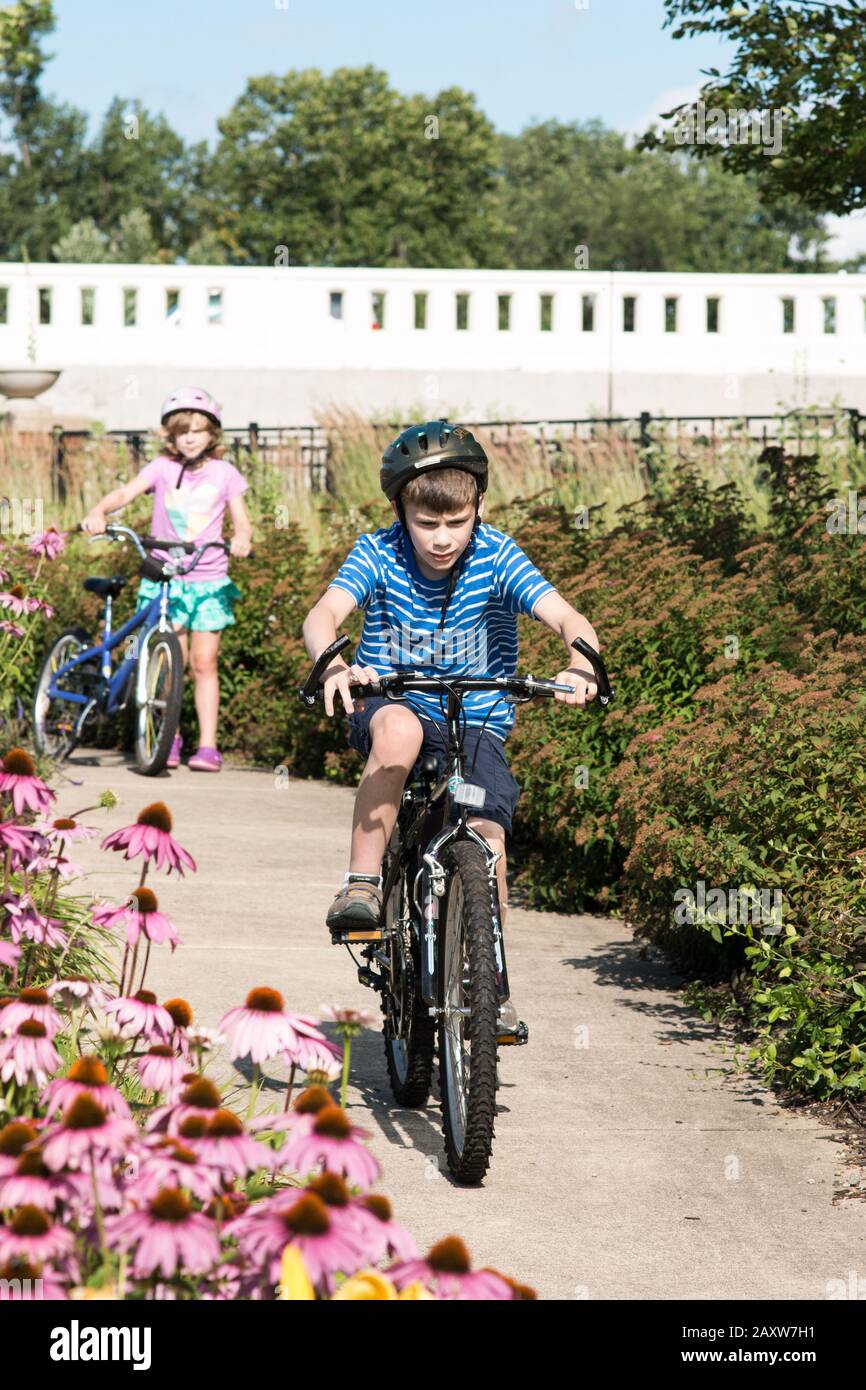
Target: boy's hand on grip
(585, 688)
(338, 678)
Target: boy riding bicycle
(441, 591)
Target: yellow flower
(294, 1279)
(366, 1284)
(417, 1291)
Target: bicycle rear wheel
(470, 1013)
(54, 719)
(158, 692)
(409, 1031)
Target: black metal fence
(306, 448)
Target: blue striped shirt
(403, 614)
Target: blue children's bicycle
(77, 685)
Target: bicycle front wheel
(158, 692)
(470, 1013)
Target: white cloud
(665, 101)
(848, 236)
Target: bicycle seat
(108, 588)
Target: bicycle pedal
(513, 1037)
(351, 936)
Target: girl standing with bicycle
(193, 486)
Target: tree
(805, 61)
(570, 186)
(83, 243)
(21, 64)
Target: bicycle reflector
(466, 794)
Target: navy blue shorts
(490, 771)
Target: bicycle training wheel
(54, 719)
(158, 691)
(470, 1013)
(408, 1030)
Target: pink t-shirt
(193, 512)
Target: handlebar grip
(307, 691)
(605, 689)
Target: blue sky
(524, 60)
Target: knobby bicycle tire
(151, 755)
(410, 1060)
(468, 1146)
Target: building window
(712, 315)
(787, 316)
(588, 313)
(629, 313)
(336, 304)
(377, 303)
(44, 305)
(504, 311)
(462, 311)
(172, 307)
(546, 312)
(130, 308)
(421, 309)
(214, 306)
(671, 314)
(4, 304)
(829, 315)
(88, 305)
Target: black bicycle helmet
(434, 445)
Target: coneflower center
(34, 995)
(144, 899)
(169, 1205)
(308, 1217)
(16, 761)
(313, 1099)
(14, 1136)
(84, 1113)
(264, 1000)
(30, 1221)
(193, 1127)
(17, 591)
(88, 1071)
(31, 1028)
(331, 1188)
(64, 823)
(333, 1122)
(180, 1011)
(224, 1125)
(144, 996)
(201, 1093)
(30, 1165)
(379, 1206)
(449, 1256)
(160, 1050)
(158, 815)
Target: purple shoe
(174, 755)
(205, 760)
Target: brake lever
(307, 692)
(605, 689)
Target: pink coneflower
(65, 828)
(28, 1054)
(31, 1003)
(85, 1132)
(26, 921)
(25, 842)
(382, 1234)
(347, 1017)
(151, 836)
(139, 1015)
(333, 1142)
(447, 1271)
(86, 1076)
(161, 1069)
(181, 1016)
(376, 1235)
(309, 1047)
(21, 1281)
(302, 1115)
(166, 1235)
(225, 1147)
(168, 1162)
(32, 1184)
(50, 543)
(14, 628)
(32, 1234)
(271, 1224)
(139, 917)
(14, 1138)
(16, 601)
(76, 992)
(9, 954)
(260, 1029)
(18, 780)
(200, 1097)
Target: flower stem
(347, 1049)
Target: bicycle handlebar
(145, 543)
(392, 686)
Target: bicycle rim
(53, 719)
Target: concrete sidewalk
(629, 1161)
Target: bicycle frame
(112, 686)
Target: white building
(277, 345)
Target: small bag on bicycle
(151, 568)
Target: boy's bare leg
(494, 834)
(397, 735)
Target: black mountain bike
(437, 958)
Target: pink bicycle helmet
(192, 398)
